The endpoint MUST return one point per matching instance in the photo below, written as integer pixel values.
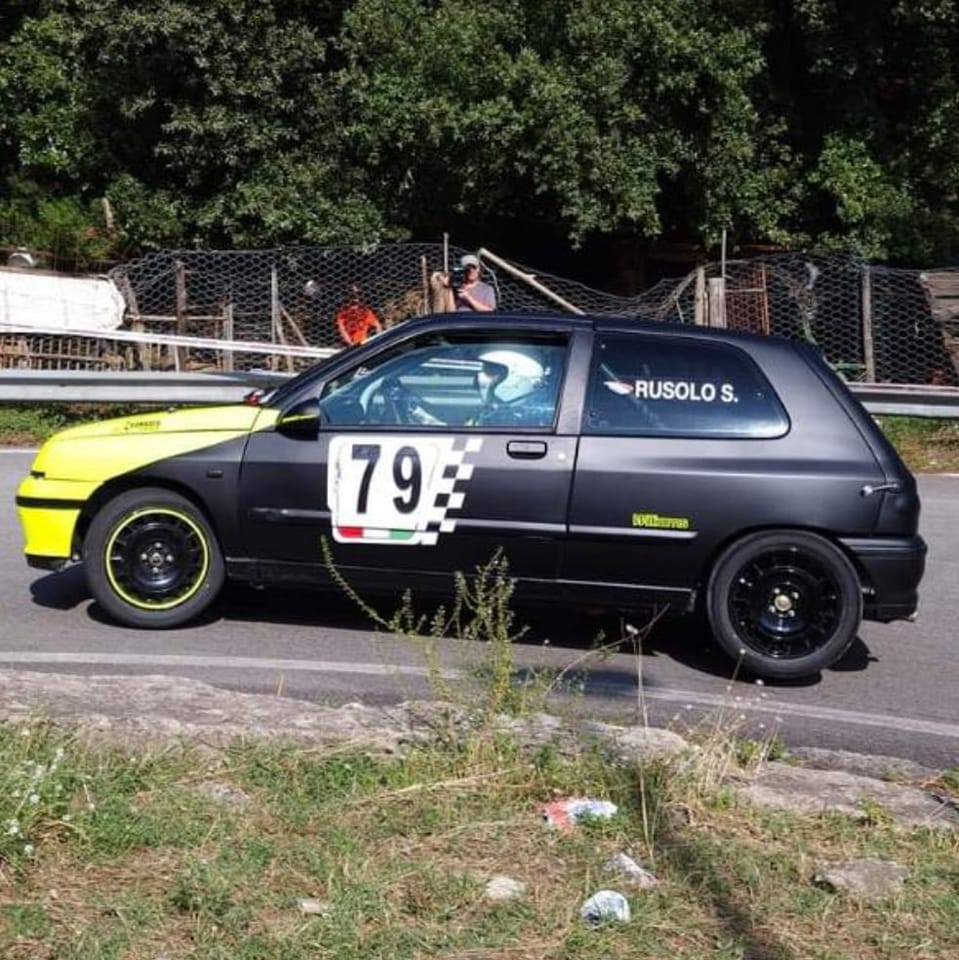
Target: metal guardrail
(908, 399)
(79, 386)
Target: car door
(686, 444)
(432, 455)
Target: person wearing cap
(474, 294)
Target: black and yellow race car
(615, 463)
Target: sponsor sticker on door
(682, 390)
(400, 490)
(656, 522)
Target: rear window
(653, 386)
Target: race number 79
(407, 476)
(396, 489)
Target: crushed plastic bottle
(605, 905)
(565, 814)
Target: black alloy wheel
(785, 604)
(157, 557)
(152, 559)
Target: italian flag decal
(372, 533)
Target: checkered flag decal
(450, 488)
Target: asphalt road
(896, 692)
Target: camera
(457, 278)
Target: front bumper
(891, 568)
(48, 512)
(46, 563)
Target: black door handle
(526, 449)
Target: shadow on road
(61, 591)
(686, 640)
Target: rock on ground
(223, 793)
(500, 889)
(880, 767)
(628, 870)
(155, 710)
(808, 791)
(310, 907)
(869, 878)
(637, 744)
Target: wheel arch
(710, 563)
(113, 488)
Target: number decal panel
(399, 490)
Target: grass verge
(105, 854)
(927, 445)
(31, 424)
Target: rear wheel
(786, 604)
(152, 559)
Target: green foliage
(870, 209)
(244, 122)
(68, 228)
(600, 115)
(928, 445)
(34, 423)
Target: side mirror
(301, 422)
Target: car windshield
(279, 395)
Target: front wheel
(152, 559)
(786, 604)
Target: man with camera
(469, 292)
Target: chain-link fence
(873, 324)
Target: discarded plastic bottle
(564, 813)
(605, 905)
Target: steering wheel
(402, 405)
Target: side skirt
(376, 580)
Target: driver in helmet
(507, 378)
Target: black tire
(152, 559)
(785, 604)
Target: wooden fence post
(276, 331)
(144, 350)
(425, 281)
(717, 302)
(228, 334)
(868, 351)
(294, 326)
(700, 298)
(179, 353)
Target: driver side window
(463, 384)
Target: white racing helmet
(509, 374)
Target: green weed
(927, 445)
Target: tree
(811, 123)
(870, 93)
(185, 115)
(599, 116)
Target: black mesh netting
(872, 323)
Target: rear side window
(653, 386)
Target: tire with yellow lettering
(152, 559)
